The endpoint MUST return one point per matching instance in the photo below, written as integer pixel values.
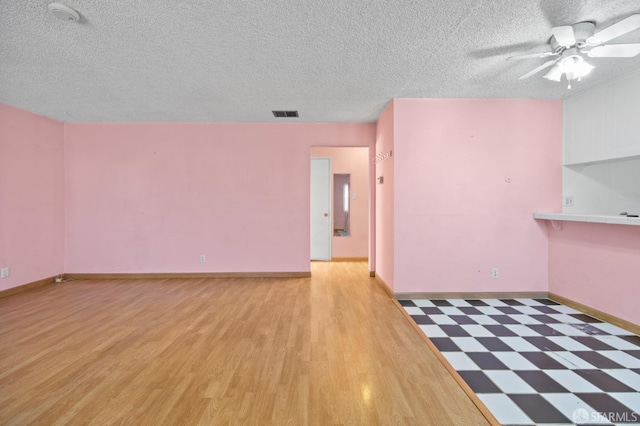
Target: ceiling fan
(571, 43)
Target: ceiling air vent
(285, 114)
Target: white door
(320, 208)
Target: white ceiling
(236, 60)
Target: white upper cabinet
(603, 124)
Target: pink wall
(597, 265)
(354, 161)
(31, 196)
(456, 216)
(384, 193)
(152, 197)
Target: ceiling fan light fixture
(583, 68)
(554, 74)
(575, 67)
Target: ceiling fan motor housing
(582, 31)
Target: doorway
(345, 230)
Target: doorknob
(326, 214)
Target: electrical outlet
(494, 273)
(4, 272)
(567, 200)
(202, 258)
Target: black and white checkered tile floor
(534, 361)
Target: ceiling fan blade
(537, 70)
(615, 51)
(532, 56)
(616, 30)
(564, 35)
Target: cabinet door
(602, 123)
(624, 113)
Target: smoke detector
(63, 12)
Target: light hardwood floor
(331, 349)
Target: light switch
(354, 196)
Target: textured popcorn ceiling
(236, 60)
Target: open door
(321, 208)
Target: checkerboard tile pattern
(535, 361)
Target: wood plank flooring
(331, 349)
